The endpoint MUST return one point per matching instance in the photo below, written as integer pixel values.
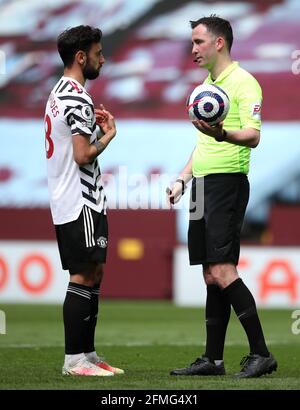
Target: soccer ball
(209, 103)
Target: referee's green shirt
(244, 92)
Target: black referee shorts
(83, 242)
(215, 236)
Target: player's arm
(247, 137)
(83, 151)
(177, 190)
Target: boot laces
(199, 360)
(246, 360)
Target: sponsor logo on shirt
(256, 111)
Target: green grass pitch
(147, 339)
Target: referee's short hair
(217, 26)
(74, 39)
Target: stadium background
(145, 81)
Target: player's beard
(89, 72)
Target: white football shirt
(70, 111)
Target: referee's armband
(183, 185)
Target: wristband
(223, 137)
(183, 186)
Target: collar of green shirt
(228, 70)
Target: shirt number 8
(48, 142)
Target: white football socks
(72, 359)
(92, 357)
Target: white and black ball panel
(209, 103)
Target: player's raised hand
(105, 120)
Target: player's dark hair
(217, 26)
(74, 39)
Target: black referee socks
(217, 314)
(244, 306)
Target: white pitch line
(134, 344)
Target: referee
(220, 164)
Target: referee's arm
(247, 137)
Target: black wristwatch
(223, 137)
(183, 186)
